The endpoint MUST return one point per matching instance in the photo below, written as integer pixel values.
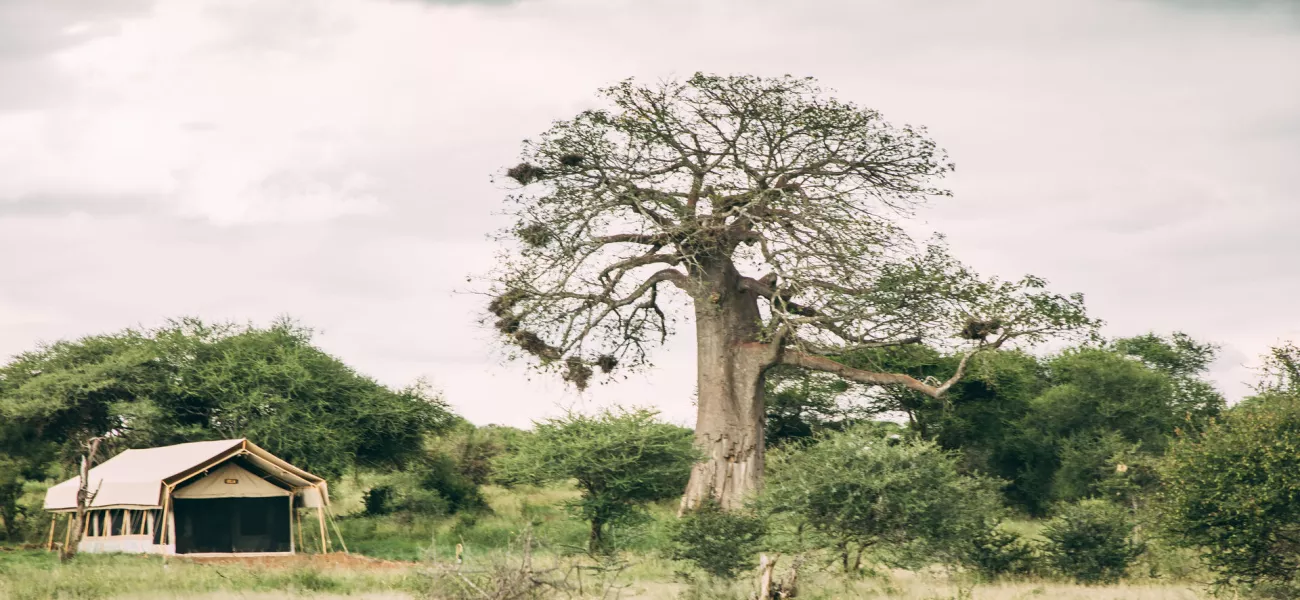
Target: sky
(331, 160)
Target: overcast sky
(330, 159)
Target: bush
(718, 542)
(440, 473)
(418, 501)
(378, 500)
(621, 460)
(1091, 542)
(902, 500)
(1231, 493)
(995, 552)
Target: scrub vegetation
(875, 419)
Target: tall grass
(490, 537)
(416, 537)
(36, 575)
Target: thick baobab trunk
(730, 417)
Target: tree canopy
(193, 381)
(772, 212)
(1232, 493)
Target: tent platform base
(125, 544)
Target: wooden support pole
(67, 530)
(337, 531)
(167, 497)
(290, 524)
(324, 539)
(302, 543)
(49, 544)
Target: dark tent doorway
(232, 525)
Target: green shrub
(718, 542)
(902, 501)
(440, 473)
(621, 460)
(995, 552)
(419, 501)
(378, 500)
(1233, 493)
(1091, 542)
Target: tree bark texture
(730, 407)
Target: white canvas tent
(225, 496)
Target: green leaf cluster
(1091, 541)
(621, 460)
(902, 501)
(1233, 493)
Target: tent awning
(136, 478)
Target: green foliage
(11, 488)
(378, 500)
(996, 552)
(1097, 463)
(1234, 492)
(802, 403)
(442, 474)
(1100, 405)
(621, 461)
(1091, 541)
(1281, 372)
(718, 542)
(191, 381)
(1097, 391)
(904, 501)
(1184, 360)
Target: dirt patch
(297, 561)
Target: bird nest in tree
(577, 372)
(572, 160)
(534, 344)
(503, 304)
(607, 362)
(535, 235)
(508, 324)
(525, 173)
(976, 329)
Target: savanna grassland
(408, 558)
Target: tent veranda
(220, 497)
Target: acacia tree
(770, 212)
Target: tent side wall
(126, 530)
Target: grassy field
(31, 575)
(413, 558)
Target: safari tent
(219, 497)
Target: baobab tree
(769, 213)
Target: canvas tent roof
(136, 478)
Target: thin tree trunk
(596, 541)
(9, 512)
(765, 567)
(857, 561)
(730, 407)
(84, 499)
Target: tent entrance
(232, 525)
